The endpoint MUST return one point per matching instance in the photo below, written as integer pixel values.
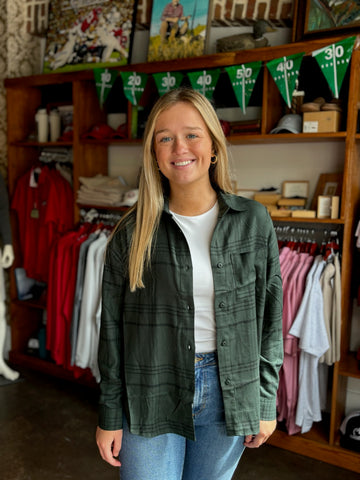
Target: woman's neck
(191, 202)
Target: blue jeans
(212, 456)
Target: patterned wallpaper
(19, 56)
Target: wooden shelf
(286, 138)
(349, 366)
(335, 221)
(311, 446)
(38, 364)
(247, 138)
(33, 143)
(39, 304)
(104, 207)
(90, 157)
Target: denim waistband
(205, 359)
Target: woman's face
(183, 145)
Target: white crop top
(198, 231)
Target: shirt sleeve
(171, 11)
(110, 340)
(271, 353)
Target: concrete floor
(47, 433)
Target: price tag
(334, 61)
(243, 78)
(204, 81)
(285, 72)
(134, 85)
(167, 81)
(35, 214)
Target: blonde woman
(191, 333)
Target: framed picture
(178, 29)
(291, 189)
(88, 34)
(329, 184)
(325, 17)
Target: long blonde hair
(153, 185)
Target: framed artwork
(291, 189)
(86, 34)
(329, 184)
(277, 13)
(178, 29)
(326, 17)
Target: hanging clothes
(43, 202)
(311, 326)
(89, 320)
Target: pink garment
(294, 268)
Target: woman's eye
(165, 139)
(192, 135)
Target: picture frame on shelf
(184, 38)
(84, 35)
(329, 18)
(295, 188)
(329, 184)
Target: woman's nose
(180, 145)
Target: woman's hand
(109, 444)
(266, 429)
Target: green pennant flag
(166, 81)
(204, 81)
(285, 72)
(134, 85)
(104, 81)
(243, 78)
(334, 61)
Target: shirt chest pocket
(243, 264)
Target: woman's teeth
(182, 164)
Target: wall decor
(328, 184)
(88, 33)
(278, 13)
(312, 17)
(330, 15)
(178, 29)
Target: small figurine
(246, 41)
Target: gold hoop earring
(214, 159)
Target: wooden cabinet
(25, 95)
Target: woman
(191, 334)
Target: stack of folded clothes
(104, 190)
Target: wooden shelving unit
(25, 95)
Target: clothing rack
(315, 233)
(95, 215)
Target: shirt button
(224, 343)
(189, 347)
(228, 381)
(222, 304)
(220, 265)
(188, 307)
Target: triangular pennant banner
(166, 81)
(243, 78)
(104, 81)
(204, 81)
(334, 61)
(285, 72)
(133, 84)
